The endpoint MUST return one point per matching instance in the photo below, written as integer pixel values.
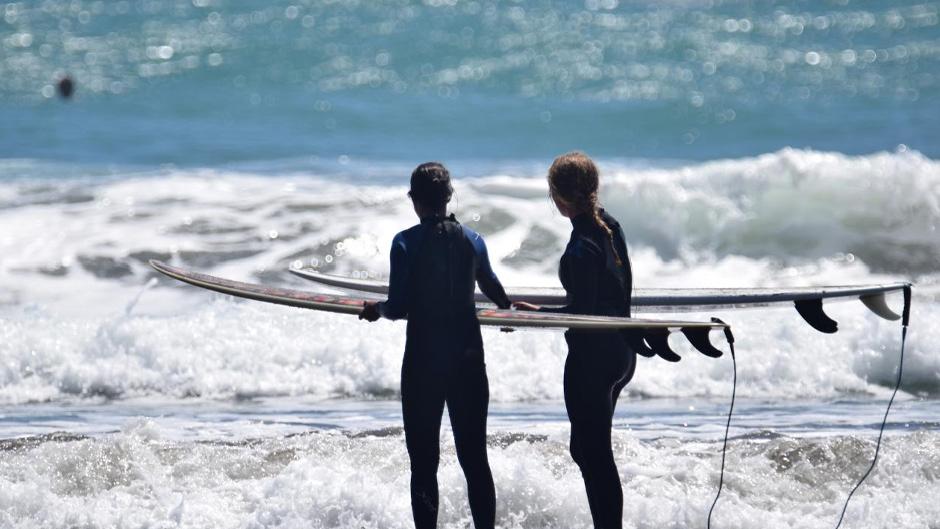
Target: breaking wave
(74, 265)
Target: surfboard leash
(724, 448)
(905, 319)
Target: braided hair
(573, 180)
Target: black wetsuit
(434, 268)
(599, 363)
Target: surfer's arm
(396, 307)
(486, 278)
(580, 268)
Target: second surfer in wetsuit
(596, 274)
(434, 266)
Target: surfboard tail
(655, 342)
(699, 340)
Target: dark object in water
(65, 87)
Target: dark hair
(430, 185)
(573, 179)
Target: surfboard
(808, 300)
(650, 336)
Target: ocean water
(740, 144)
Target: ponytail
(573, 179)
(610, 233)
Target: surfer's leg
(422, 403)
(468, 398)
(618, 365)
(592, 378)
(578, 404)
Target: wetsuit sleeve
(582, 274)
(396, 307)
(486, 278)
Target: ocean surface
(740, 144)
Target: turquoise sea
(741, 144)
(218, 82)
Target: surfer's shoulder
(476, 240)
(583, 247)
(405, 238)
(472, 235)
(412, 230)
(409, 233)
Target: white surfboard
(808, 300)
(651, 334)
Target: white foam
(75, 260)
(225, 349)
(329, 479)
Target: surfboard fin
(659, 343)
(877, 304)
(635, 341)
(698, 337)
(812, 311)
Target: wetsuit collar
(583, 221)
(435, 218)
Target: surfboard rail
(647, 336)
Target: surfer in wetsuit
(595, 271)
(434, 266)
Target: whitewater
(142, 401)
(740, 144)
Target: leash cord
(724, 448)
(897, 386)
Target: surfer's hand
(522, 305)
(370, 311)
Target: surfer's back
(434, 265)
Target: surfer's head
(430, 188)
(65, 87)
(573, 182)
